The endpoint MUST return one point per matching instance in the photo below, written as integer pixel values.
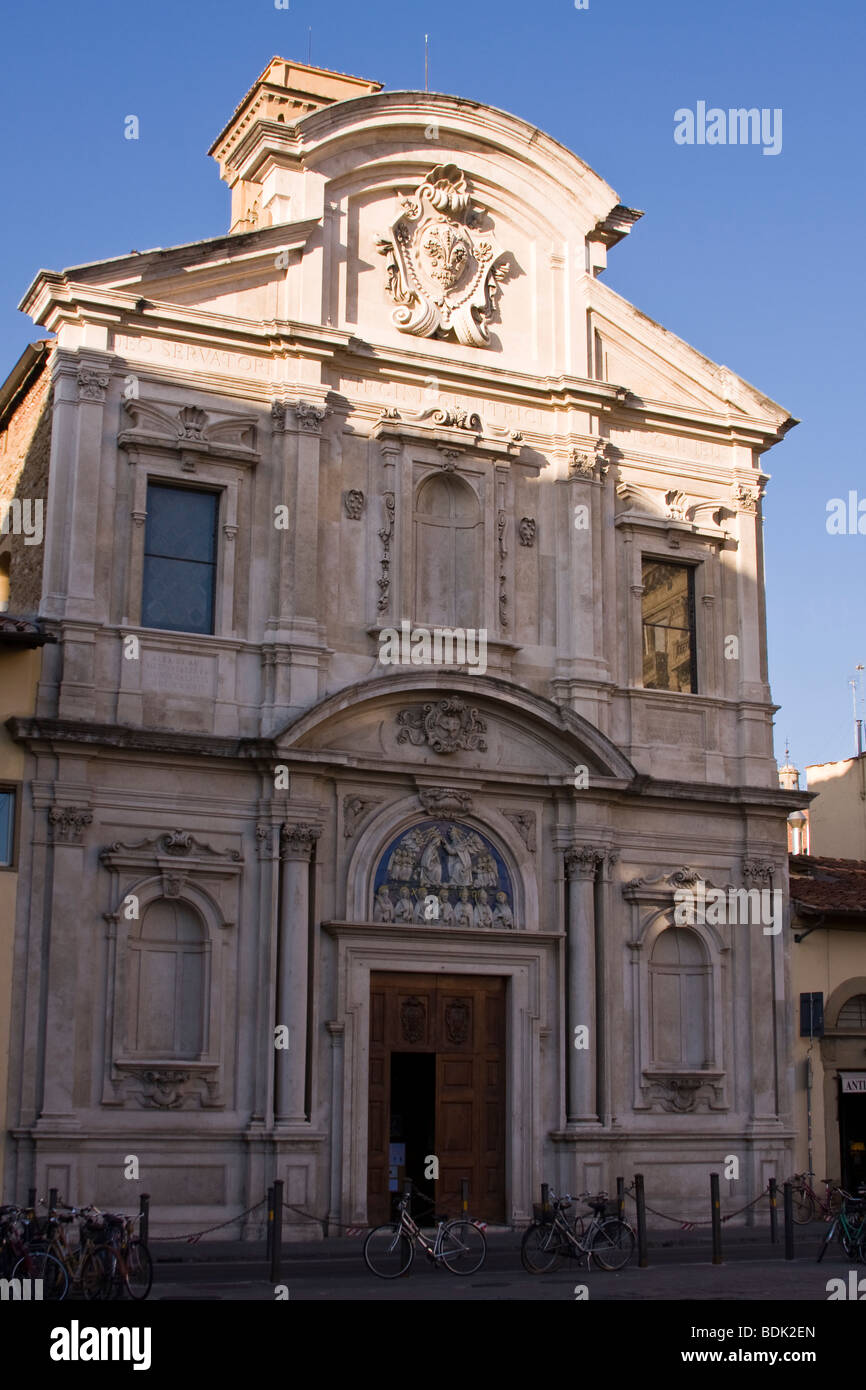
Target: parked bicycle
(809, 1205)
(849, 1226)
(82, 1272)
(21, 1258)
(552, 1237)
(459, 1244)
(107, 1259)
(124, 1259)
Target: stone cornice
(54, 300)
(473, 122)
(46, 732)
(439, 428)
(72, 290)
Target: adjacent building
(24, 448)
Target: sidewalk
(806, 1241)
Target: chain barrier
(192, 1237)
(693, 1225)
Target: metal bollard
(716, 1214)
(269, 1229)
(545, 1197)
(620, 1198)
(640, 1202)
(52, 1200)
(277, 1237)
(774, 1194)
(144, 1223)
(789, 1221)
(464, 1195)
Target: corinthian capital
(69, 822)
(582, 861)
(297, 840)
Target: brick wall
(25, 448)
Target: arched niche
(448, 532)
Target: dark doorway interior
(852, 1135)
(413, 1115)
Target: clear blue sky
(756, 260)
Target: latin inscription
(187, 675)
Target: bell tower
(259, 152)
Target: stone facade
(415, 400)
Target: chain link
(192, 1237)
(692, 1225)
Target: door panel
(460, 1018)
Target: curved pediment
(448, 720)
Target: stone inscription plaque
(174, 672)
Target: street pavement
(680, 1268)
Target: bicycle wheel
(139, 1269)
(388, 1251)
(849, 1243)
(804, 1206)
(828, 1236)
(98, 1274)
(613, 1244)
(38, 1264)
(464, 1247)
(541, 1248)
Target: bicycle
(808, 1204)
(19, 1261)
(551, 1238)
(850, 1225)
(390, 1249)
(82, 1272)
(123, 1259)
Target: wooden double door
(437, 1090)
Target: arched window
(679, 1000)
(448, 554)
(167, 983)
(852, 1015)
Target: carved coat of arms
(412, 1019)
(443, 274)
(457, 1021)
(446, 726)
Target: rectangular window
(180, 549)
(668, 612)
(7, 828)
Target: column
(292, 1005)
(581, 863)
(68, 824)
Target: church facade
(410, 668)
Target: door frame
(528, 962)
